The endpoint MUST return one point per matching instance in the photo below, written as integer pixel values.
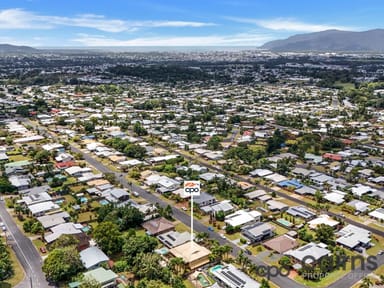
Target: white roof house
(230, 276)
(63, 229)
(93, 257)
(352, 236)
(242, 217)
(36, 198)
(323, 219)
(40, 209)
(77, 170)
(335, 197)
(275, 177)
(314, 250)
(378, 214)
(359, 190)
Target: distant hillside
(8, 49)
(332, 41)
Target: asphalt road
(25, 251)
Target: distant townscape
(287, 143)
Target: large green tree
(6, 186)
(108, 237)
(64, 241)
(135, 244)
(6, 268)
(325, 234)
(62, 263)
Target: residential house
(192, 253)
(229, 276)
(323, 219)
(352, 237)
(39, 209)
(173, 239)
(310, 253)
(258, 232)
(204, 199)
(359, 206)
(224, 206)
(21, 182)
(104, 278)
(276, 206)
(242, 217)
(377, 214)
(281, 244)
(301, 211)
(93, 257)
(158, 226)
(52, 220)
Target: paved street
(25, 251)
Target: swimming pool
(203, 280)
(83, 200)
(284, 222)
(60, 201)
(217, 267)
(103, 202)
(85, 229)
(162, 251)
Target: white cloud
(288, 24)
(22, 19)
(213, 40)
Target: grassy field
(86, 216)
(18, 275)
(344, 86)
(19, 157)
(378, 245)
(181, 227)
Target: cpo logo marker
(192, 188)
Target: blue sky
(177, 22)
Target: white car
(223, 236)
(2, 224)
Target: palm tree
(367, 282)
(381, 279)
(240, 259)
(202, 237)
(177, 264)
(226, 249)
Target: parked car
(43, 250)
(210, 229)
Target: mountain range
(14, 49)
(331, 41)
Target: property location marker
(192, 188)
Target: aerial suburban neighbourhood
(93, 167)
(286, 142)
